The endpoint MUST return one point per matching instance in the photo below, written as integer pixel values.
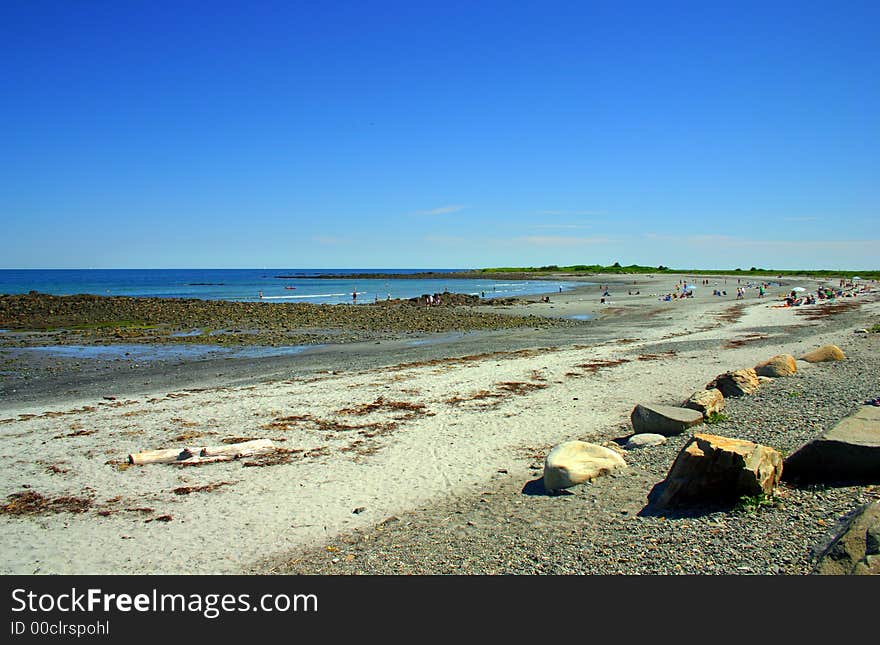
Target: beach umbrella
(691, 286)
(855, 277)
(798, 289)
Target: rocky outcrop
(706, 401)
(718, 471)
(663, 419)
(855, 548)
(778, 366)
(575, 462)
(644, 440)
(847, 453)
(823, 354)
(736, 383)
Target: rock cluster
(717, 470)
(83, 319)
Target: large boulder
(718, 471)
(847, 453)
(706, 401)
(824, 353)
(779, 365)
(644, 440)
(575, 462)
(663, 419)
(855, 548)
(736, 383)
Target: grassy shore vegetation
(636, 268)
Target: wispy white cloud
(442, 210)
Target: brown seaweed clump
(32, 503)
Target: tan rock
(712, 470)
(825, 353)
(706, 401)
(575, 462)
(644, 440)
(778, 366)
(736, 383)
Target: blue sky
(448, 134)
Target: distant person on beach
(354, 295)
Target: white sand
(449, 448)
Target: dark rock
(848, 453)
(663, 419)
(854, 549)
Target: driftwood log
(202, 455)
(243, 449)
(164, 456)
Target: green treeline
(636, 268)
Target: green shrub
(754, 503)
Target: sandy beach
(370, 430)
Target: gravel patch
(511, 527)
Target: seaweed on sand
(33, 503)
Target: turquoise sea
(276, 285)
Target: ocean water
(248, 284)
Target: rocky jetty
(83, 319)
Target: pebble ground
(607, 527)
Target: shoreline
(37, 377)
(461, 411)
